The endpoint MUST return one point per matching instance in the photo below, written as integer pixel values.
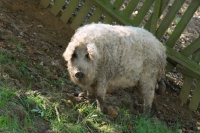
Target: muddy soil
(44, 38)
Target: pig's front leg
(92, 93)
(101, 92)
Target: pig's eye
(87, 56)
(74, 55)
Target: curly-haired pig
(102, 57)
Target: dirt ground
(44, 38)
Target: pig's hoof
(112, 111)
(150, 111)
(153, 109)
(102, 108)
(92, 101)
(147, 111)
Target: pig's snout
(79, 75)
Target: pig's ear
(69, 51)
(93, 51)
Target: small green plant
(13, 125)
(43, 107)
(58, 82)
(16, 43)
(169, 31)
(38, 110)
(5, 96)
(5, 57)
(177, 20)
(23, 71)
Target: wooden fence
(79, 12)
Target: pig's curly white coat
(120, 57)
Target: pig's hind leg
(148, 91)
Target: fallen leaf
(2, 44)
(31, 25)
(69, 101)
(112, 111)
(130, 125)
(198, 124)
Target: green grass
(146, 125)
(10, 120)
(13, 125)
(16, 69)
(5, 57)
(16, 43)
(67, 117)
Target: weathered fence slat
(96, 16)
(118, 3)
(196, 56)
(57, 6)
(81, 15)
(182, 60)
(185, 90)
(183, 23)
(187, 71)
(169, 67)
(142, 12)
(155, 16)
(169, 17)
(163, 5)
(192, 47)
(118, 16)
(195, 98)
(45, 3)
(69, 10)
(107, 19)
(130, 7)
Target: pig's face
(82, 62)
